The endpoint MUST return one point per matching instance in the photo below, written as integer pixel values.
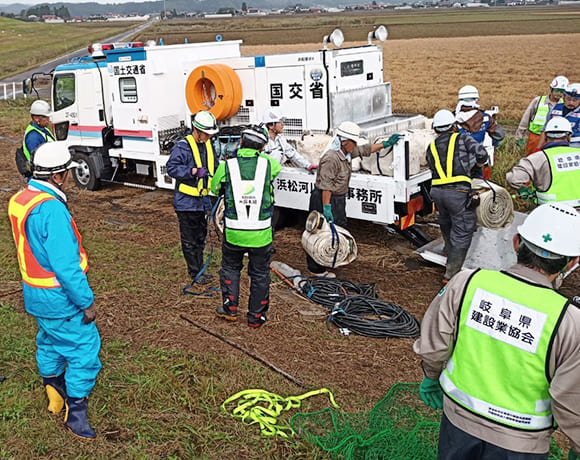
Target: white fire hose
(327, 247)
(496, 208)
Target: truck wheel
(85, 175)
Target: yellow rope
(261, 407)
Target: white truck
(122, 108)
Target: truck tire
(85, 175)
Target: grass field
(27, 44)
(401, 25)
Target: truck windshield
(64, 91)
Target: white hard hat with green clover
(205, 122)
(552, 231)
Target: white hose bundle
(496, 208)
(328, 248)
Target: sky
(37, 2)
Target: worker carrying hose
(56, 291)
(192, 163)
(246, 184)
(277, 146)
(500, 349)
(534, 117)
(333, 177)
(554, 170)
(452, 158)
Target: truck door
(65, 106)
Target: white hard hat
(443, 120)
(552, 227)
(349, 130)
(205, 122)
(256, 134)
(41, 108)
(573, 90)
(468, 92)
(558, 127)
(560, 82)
(272, 115)
(51, 158)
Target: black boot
(56, 392)
(76, 418)
(455, 259)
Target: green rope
(261, 407)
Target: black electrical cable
(372, 318)
(331, 291)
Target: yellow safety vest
(446, 177)
(200, 190)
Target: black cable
(373, 318)
(331, 291)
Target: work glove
(431, 393)
(391, 140)
(327, 212)
(90, 314)
(526, 193)
(572, 455)
(312, 167)
(202, 172)
(521, 142)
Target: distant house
(218, 16)
(255, 12)
(52, 19)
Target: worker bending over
(453, 157)
(53, 264)
(37, 133)
(570, 110)
(333, 178)
(554, 170)
(472, 120)
(192, 163)
(246, 185)
(277, 146)
(534, 117)
(500, 353)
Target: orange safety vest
(19, 208)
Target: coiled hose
(496, 208)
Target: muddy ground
(139, 292)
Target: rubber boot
(447, 245)
(56, 392)
(455, 259)
(76, 419)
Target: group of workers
(482, 328)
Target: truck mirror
(27, 86)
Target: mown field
(401, 25)
(25, 45)
(163, 380)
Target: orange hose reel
(214, 87)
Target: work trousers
(338, 206)
(69, 345)
(259, 272)
(193, 231)
(456, 444)
(456, 221)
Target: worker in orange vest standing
(53, 264)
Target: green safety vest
(446, 177)
(249, 201)
(565, 167)
(506, 328)
(48, 137)
(203, 185)
(539, 120)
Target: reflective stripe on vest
(539, 120)
(565, 168)
(446, 177)
(20, 206)
(248, 196)
(506, 328)
(47, 135)
(199, 190)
